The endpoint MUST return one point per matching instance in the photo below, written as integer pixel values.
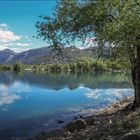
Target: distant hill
(6, 56)
(67, 55)
(45, 55)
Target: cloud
(23, 44)
(8, 40)
(91, 42)
(19, 49)
(110, 95)
(8, 36)
(15, 49)
(4, 46)
(5, 97)
(3, 26)
(95, 94)
(88, 43)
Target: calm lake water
(34, 102)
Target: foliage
(84, 64)
(5, 67)
(114, 22)
(18, 66)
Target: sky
(17, 23)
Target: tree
(116, 22)
(18, 67)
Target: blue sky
(17, 23)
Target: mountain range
(45, 55)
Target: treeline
(83, 64)
(6, 67)
(16, 67)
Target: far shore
(82, 65)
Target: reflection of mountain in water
(58, 81)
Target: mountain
(6, 56)
(67, 55)
(29, 56)
(45, 55)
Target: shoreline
(96, 125)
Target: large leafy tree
(116, 22)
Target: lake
(33, 102)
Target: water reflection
(110, 95)
(30, 102)
(6, 97)
(71, 80)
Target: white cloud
(91, 42)
(81, 48)
(110, 95)
(5, 97)
(8, 36)
(95, 94)
(3, 87)
(3, 26)
(8, 40)
(19, 49)
(15, 49)
(4, 46)
(81, 86)
(23, 44)
(88, 43)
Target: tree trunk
(133, 75)
(137, 92)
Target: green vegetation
(115, 23)
(83, 64)
(18, 67)
(6, 68)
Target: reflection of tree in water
(72, 80)
(7, 78)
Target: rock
(91, 122)
(75, 118)
(116, 105)
(110, 138)
(76, 125)
(110, 121)
(81, 117)
(60, 121)
(42, 133)
(131, 136)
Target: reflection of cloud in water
(110, 95)
(93, 94)
(82, 110)
(6, 97)
(81, 86)
(18, 87)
